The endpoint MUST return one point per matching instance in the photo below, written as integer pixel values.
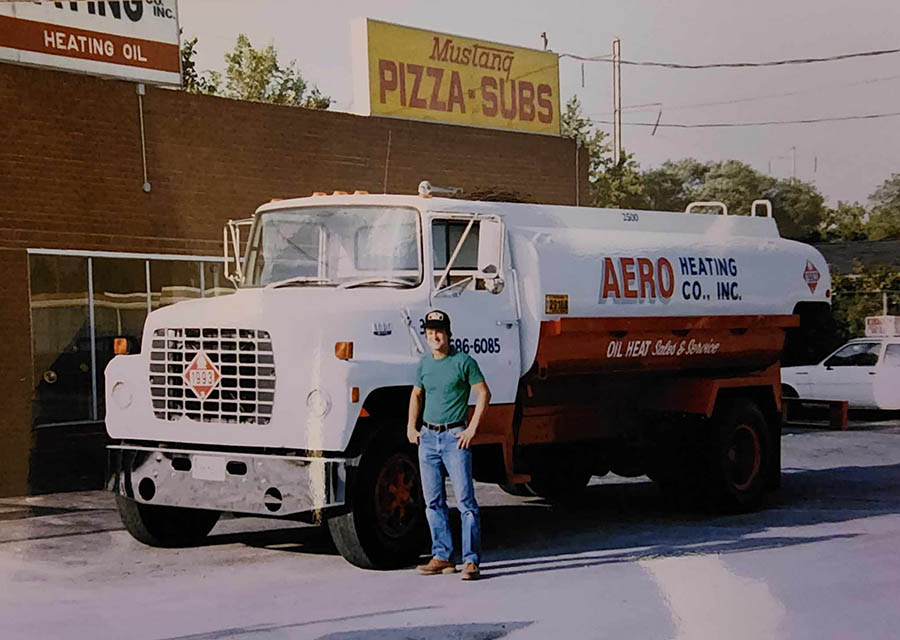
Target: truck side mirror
(490, 248)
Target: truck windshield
(336, 246)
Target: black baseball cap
(436, 319)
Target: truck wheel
(385, 526)
(560, 485)
(160, 526)
(560, 473)
(739, 457)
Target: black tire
(384, 527)
(160, 526)
(559, 474)
(738, 456)
(677, 463)
(518, 489)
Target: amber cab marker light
(338, 193)
(828, 293)
(120, 346)
(360, 192)
(343, 350)
(354, 394)
(319, 193)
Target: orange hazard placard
(201, 375)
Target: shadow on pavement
(470, 631)
(266, 630)
(292, 538)
(628, 522)
(624, 522)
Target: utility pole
(793, 164)
(617, 102)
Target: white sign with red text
(131, 39)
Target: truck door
(887, 379)
(479, 294)
(849, 375)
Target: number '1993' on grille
(244, 357)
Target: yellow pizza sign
(403, 72)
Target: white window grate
(245, 393)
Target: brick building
(85, 251)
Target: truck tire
(160, 526)
(738, 457)
(565, 486)
(558, 474)
(384, 527)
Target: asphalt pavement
(820, 561)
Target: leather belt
(444, 427)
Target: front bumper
(252, 484)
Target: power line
(711, 125)
(733, 65)
(756, 98)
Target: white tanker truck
(632, 341)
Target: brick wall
(71, 175)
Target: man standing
(443, 381)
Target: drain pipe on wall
(577, 185)
(141, 91)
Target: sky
(845, 160)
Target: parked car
(865, 371)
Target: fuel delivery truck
(637, 342)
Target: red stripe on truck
(597, 345)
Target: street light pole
(617, 103)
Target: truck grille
(245, 360)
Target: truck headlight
(121, 395)
(318, 402)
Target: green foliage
(252, 74)
(192, 80)
(734, 183)
(859, 294)
(798, 207)
(846, 222)
(884, 221)
(670, 187)
(611, 185)
(620, 185)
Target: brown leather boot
(436, 566)
(470, 571)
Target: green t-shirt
(447, 383)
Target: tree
(859, 294)
(884, 221)
(192, 80)
(732, 182)
(846, 222)
(252, 74)
(798, 207)
(620, 185)
(611, 185)
(670, 187)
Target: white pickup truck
(631, 341)
(865, 372)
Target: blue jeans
(439, 451)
